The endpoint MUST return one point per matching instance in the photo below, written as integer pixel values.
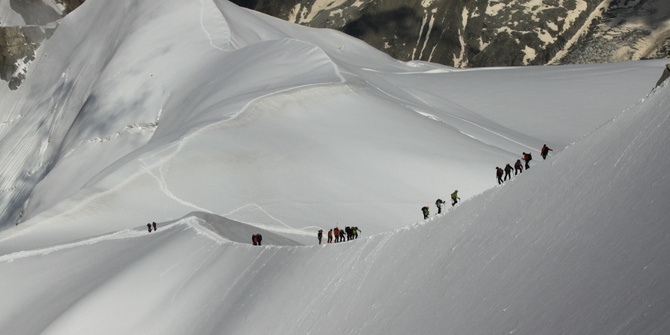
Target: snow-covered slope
(577, 244)
(204, 106)
(218, 123)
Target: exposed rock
(471, 33)
(19, 44)
(461, 33)
(626, 30)
(17, 47)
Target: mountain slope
(155, 93)
(218, 123)
(576, 244)
(477, 33)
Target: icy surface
(218, 123)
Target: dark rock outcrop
(472, 33)
(460, 33)
(18, 44)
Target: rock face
(460, 33)
(19, 43)
(473, 33)
(626, 30)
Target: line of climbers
(440, 204)
(348, 233)
(518, 167)
(351, 233)
(507, 173)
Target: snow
(218, 123)
(317, 7)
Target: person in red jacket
(336, 232)
(545, 151)
(518, 167)
(527, 157)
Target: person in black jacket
(499, 174)
(508, 172)
(425, 211)
(527, 157)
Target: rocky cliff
(473, 33)
(460, 33)
(24, 25)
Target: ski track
(123, 234)
(288, 228)
(204, 29)
(191, 222)
(478, 126)
(185, 140)
(262, 210)
(416, 108)
(162, 183)
(178, 146)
